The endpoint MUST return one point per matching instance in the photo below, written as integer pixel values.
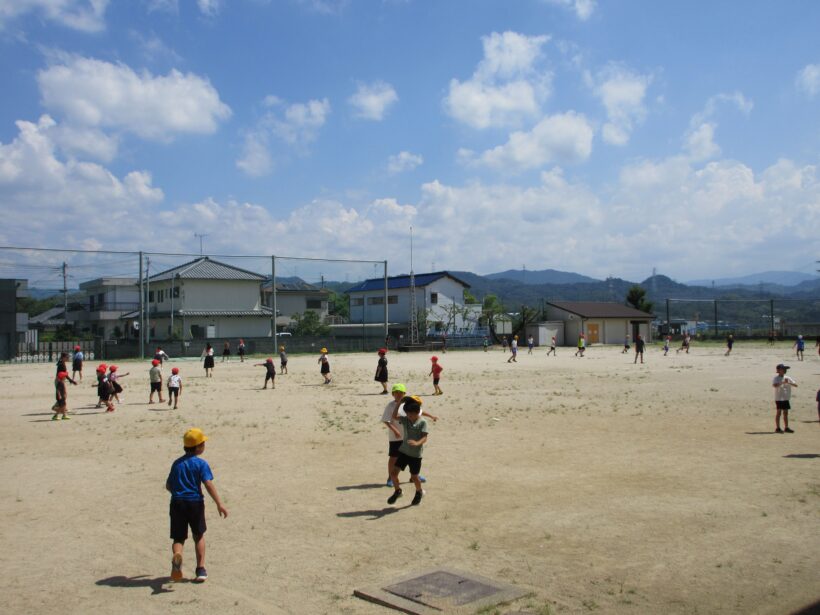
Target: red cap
(268, 360)
(77, 348)
(434, 358)
(175, 370)
(62, 375)
(113, 368)
(155, 362)
(102, 367)
(382, 350)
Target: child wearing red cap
(270, 373)
(381, 370)
(113, 377)
(104, 388)
(155, 377)
(435, 372)
(174, 387)
(61, 405)
(77, 363)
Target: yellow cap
(324, 350)
(193, 437)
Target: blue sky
(604, 138)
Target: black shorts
(393, 449)
(436, 380)
(173, 391)
(783, 405)
(241, 352)
(156, 386)
(270, 376)
(185, 513)
(414, 463)
(77, 366)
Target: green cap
(399, 387)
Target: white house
(439, 301)
(600, 322)
(295, 296)
(106, 300)
(206, 299)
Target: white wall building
(295, 297)
(106, 300)
(439, 301)
(600, 322)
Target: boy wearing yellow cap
(188, 474)
(395, 433)
(412, 446)
(325, 369)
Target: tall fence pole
(141, 320)
(273, 293)
(716, 322)
(385, 303)
(771, 316)
(668, 323)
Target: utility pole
(65, 295)
(414, 317)
(148, 300)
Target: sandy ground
(596, 484)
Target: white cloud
(562, 138)
(256, 159)
(403, 161)
(300, 122)
(83, 15)
(209, 8)
(622, 93)
(699, 140)
(808, 79)
(583, 8)
(100, 94)
(371, 101)
(506, 86)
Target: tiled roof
(599, 309)
(403, 281)
(292, 285)
(263, 311)
(206, 269)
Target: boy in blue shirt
(188, 474)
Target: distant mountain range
(781, 278)
(543, 276)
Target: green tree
(636, 297)
(469, 297)
(309, 324)
(338, 305)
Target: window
(150, 295)
(176, 292)
(160, 296)
(313, 304)
(433, 298)
(392, 299)
(357, 301)
(375, 301)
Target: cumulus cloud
(94, 93)
(403, 161)
(699, 140)
(622, 92)
(563, 138)
(583, 8)
(507, 85)
(371, 101)
(208, 8)
(256, 159)
(82, 15)
(808, 79)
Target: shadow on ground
(156, 584)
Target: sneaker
(389, 482)
(417, 498)
(68, 418)
(201, 575)
(778, 430)
(787, 430)
(176, 567)
(396, 495)
(422, 479)
(55, 417)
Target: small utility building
(600, 322)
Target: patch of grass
(474, 545)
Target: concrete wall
(208, 295)
(543, 332)
(230, 327)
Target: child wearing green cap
(395, 433)
(411, 448)
(188, 474)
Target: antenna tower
(414, 318)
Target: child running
(485, 343)
(226, 352)
(161, 356)
(174, 387)
(155, 377)
(514, 350)
(582, 346)
(61, 393)
(666, 342)
(270, 373)
(551, 351)
(113, 378)
(411, 448)
(185, 480)
(395, 434)
(799, 346)
(782, 394)
(283, 360)
(104, 388)
(77, 363)
(325, 369)
(435, 372)
(381, 370)
(684, 345)
(208, 353)
(626, 345)
(530, 344)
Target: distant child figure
(270, 373)
(684, 345)
(504, 343)
(582, 346)
(283, 360)
(435, 372)
(241, 350)
(381, 370)
(626, 345)
(730, 341)
(209, 360)
(105, 389)
(185, 480)
(530, 344)
(161, 356)
(782, 394)
(226, 351)
(666, 342)
(100, 372)
(640, 346)
(799, 346)
(395, 434)
(174, 387)
(411, 448)
(771, 338)
(77, 363)
(551, 351)
(817, 399)
(325, 369)
(113, 378)
(513, 350)
(155, 377)
(60, 407)
(817, 345)
(485, 343)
